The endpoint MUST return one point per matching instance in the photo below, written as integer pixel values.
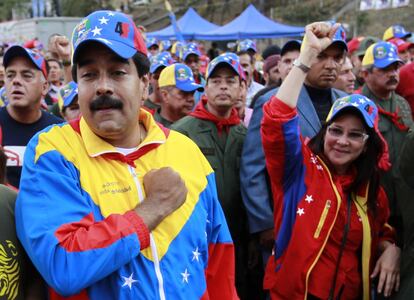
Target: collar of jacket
(96, 146)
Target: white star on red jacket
(300, 211)
(309, 198)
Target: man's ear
(145, 80)
(164, 95)
(266, 76)
(45, 87)
(364, 73)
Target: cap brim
(386, 62)
(68, 101)
(340, 43)
(16, 51)
(154, 68)
(350, 107)
(405, 46)
(223, 63)
(190, 87)
(189, 53)
(403, 36)
(117, 47)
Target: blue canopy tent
(190, 24)
(251, 24)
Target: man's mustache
(105, 102)
(392, 81)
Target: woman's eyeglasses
(356, 136)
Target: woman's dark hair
(140, 60)
(366, 164)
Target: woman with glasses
(332, 238)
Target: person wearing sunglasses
(331, 233)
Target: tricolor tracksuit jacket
(73, 217)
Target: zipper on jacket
(322, 219)
(152, 240)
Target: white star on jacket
(309, 198)
(111, 14)
(185, 276)
(314, 160)
(300, 211)
(96, 31)
(103, 20)
(129, 281)
(196, 254)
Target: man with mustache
(26, 84)
(217, 130)
(177, 88)
(381, 68)
(315, 100)
(112, 205)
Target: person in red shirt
(405, 87)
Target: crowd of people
(132, 168)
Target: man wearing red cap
(403, 49)
(405, 87)
(271, 73)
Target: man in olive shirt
(217, 130)
(381, 66)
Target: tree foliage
(7, 6)
(71, 8)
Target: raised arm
(317, 38)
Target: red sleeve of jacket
(275, 114)
(140, 228)
(220, 264)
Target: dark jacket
(407, 256)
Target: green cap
(364, 45)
